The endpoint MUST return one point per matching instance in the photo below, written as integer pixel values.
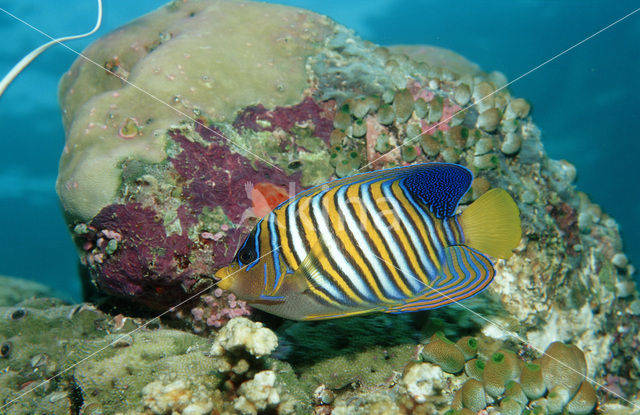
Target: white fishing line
(24, 62)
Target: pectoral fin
(311, 286)
(309, 274)
(327, 316)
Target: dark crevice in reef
(307, 343)
(75, 397)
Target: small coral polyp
(215, 309)
(518, 387)
(502, 381)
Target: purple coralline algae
(144, 252)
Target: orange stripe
(338, 227)
(360, 210)
(310, 234)
(281, 226)
(387, 212)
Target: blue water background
(585, 102)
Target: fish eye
(247, 255)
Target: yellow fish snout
(225, 276)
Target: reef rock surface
(14, 290)
(199, 102)
(57, 358)
(70, 359)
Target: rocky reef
(74, 359)
(15, 290)
(197, 120)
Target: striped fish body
(387, 240)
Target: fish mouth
(224, 278)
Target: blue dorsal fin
(439, 186)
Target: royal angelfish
(388, 240)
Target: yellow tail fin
(491, 224)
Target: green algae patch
(310, 143)
(210, 220)
(316, 168)
(373, 366)
(606, 276)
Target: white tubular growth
(24, 62)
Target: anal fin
(350, 313)
(464, 274)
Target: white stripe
(390, 243)
(337, 256)
(299, 247)
(418, 243)
(447, 229)
(380, 274)
(301, 252)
